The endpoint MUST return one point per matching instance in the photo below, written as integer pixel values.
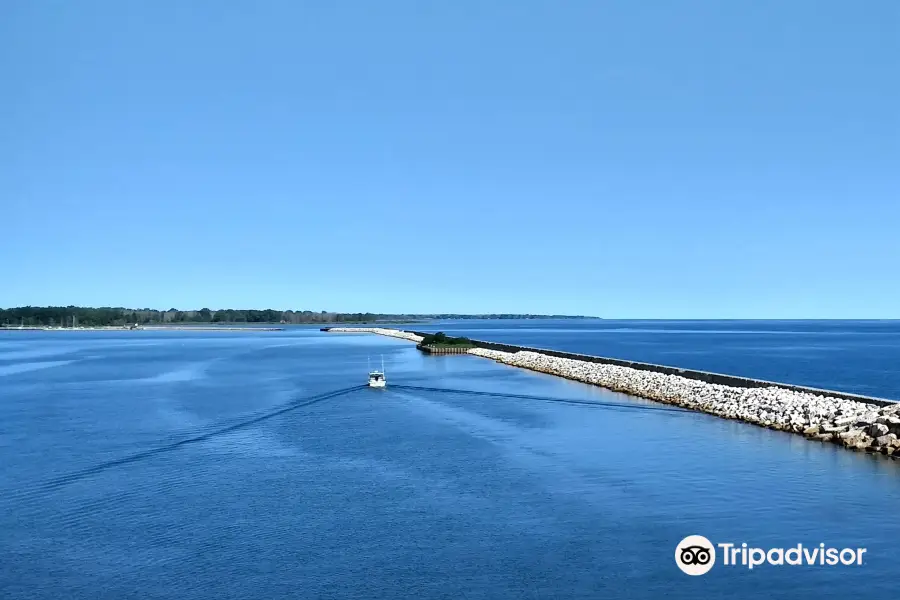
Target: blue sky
(620, 159)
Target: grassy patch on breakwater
(442, 340)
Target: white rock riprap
(855, 425)
(403, 335)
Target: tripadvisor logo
(696, 555)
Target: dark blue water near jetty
(861, 357)
(394, 493)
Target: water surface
(393, 493)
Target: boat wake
(201, 435)
(592, 403)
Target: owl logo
(695, 555)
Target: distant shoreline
(185, 327)
(53, 317)
(257, 326)
(148, 328)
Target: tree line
(78, 316)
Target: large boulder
(877, 430)
(852, 433)
(854, 438)
(893, 425)
(834, 429)
(893, 409)
(885, 440)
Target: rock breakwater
(852, 424)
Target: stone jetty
(852, 424)
(847, 421)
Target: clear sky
(694, 159)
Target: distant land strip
(81, 317)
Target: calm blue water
(861, 357)
(394, 493)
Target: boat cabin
(376, 379)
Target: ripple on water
(16, 368)
(251, 443)
(190, 372)
(36, 353)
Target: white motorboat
(376, 378)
